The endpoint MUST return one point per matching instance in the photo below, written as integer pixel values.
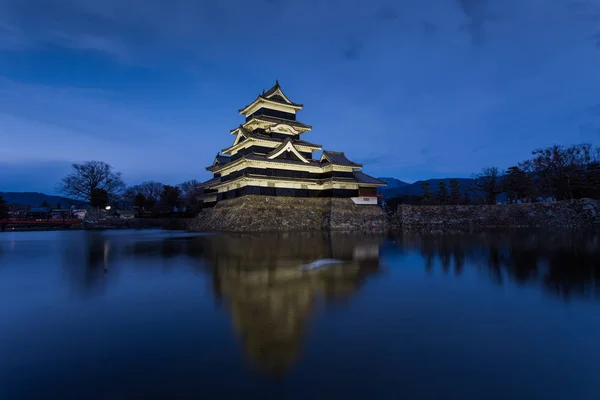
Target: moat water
(157, 314)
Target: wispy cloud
(32, 175)
(402, 76)
(476, 12)
(43, 124)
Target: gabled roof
(263, 136)
(220, 159)
(361, 177)
(275, 95)
(223, 159)
(289, 122)
(338, 158)
(263, 157)
(287, 145)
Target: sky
(413, 89)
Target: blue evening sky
(411, 88)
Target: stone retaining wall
(264, 213)
(284, 214)
(583, 213)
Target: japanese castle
(269, 158)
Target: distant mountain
(416, 189)
(393, 182)
(35, 199)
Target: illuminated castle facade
(268, 157)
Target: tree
(171, 198)
(442, 193)
(58, 206)
(151, 190)
(454, 191)
(3, 208)
(488, 184)
(426, 193)
(189, 191)
(189, 194)
(99, 198)
(44, 204)
(139, 201)
(91, 175)
(466, 197)
(391, 204)
(518, 185)
(560, 173)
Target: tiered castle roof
(269, 140)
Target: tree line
(97, 183)
(3, 208)
(553, 173)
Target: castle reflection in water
(270, 300)
(255, 276)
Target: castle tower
(268, 157)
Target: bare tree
(90, 176)
(487, 182)
(150, 189)
(189, 190)
(189, 193)
(518, 185)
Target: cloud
(43, 124)
(352, 49)
(375, 159)
(32, 176)
(476, 12)
(596, 39)
(427, 149)
(594, 110)
(89, 112)
(386, 13)
(589, 131)
(429, 29)
(400, 74)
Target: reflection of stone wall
(573, 213)
(270, 298)
(263, 213)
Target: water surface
(138, 314)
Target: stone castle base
(286, 214)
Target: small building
(59, 214)
(126, 214)
(38, 213)
(17, 214)
(268, 157)
(79, 213)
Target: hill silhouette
(416, 189)
(34, 199)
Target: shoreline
(141, 223)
